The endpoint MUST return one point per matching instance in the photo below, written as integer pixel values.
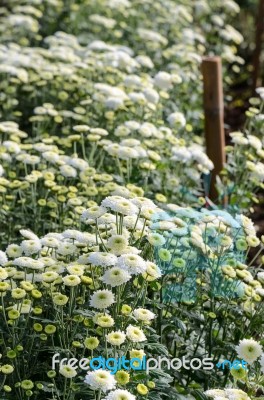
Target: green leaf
(199, 395)
(139, 377)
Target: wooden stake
(258, 44)
(214, 117)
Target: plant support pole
(214, 117)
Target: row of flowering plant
(211, 295)
(117, 91)
(73, 293)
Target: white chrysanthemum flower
(112, 149)
(148, 212)
(31, 178)
(145, 61)
(260, 276)
(147, 130)
(249, 350)
(260, 292)
(106, 219)
(67, 371)
(75, 269)
(56, 268)
(132, 263)
(104, 320)
(247, 276)
(152, 272)
(31, 160)
(254, 142)
(49, 242)
(121, 131)
(120, 205)
(66, 249)
(99, 131)
(86, 238)
(25, 308)
(70, 234)
(81, 128)
(116, 338)
(236, 394)
(102, 299)
(121, 191)
(13, 250)
(176, 119)
(67, 171)
(18, 275)
(131, 222)
(127, 153)
(3, 274)
(137, 353)
(113, 102)
(51, 156)
(163, 80)
(197, 240)
(151, 95)
(125, 232)
(42, 147)
(49, 276)
(142, 314)
(164, 226)
(115, 277)
(27, 262)
(155, 239)
(117, 244)
(100, 380)
(31, 246)
(83, 259)
(18, 293)
(3, 258)
(132, 81)
(120, 394)
(71, 280)
(48, 261)
(131, 250)
(247, 224)
(226, 241)
(28, 234)
(135, 334)
(102, 259)
(10, 271)
(151, 36)
(252, 241)
(132, 125)
(79, 163)
(238, 138)
(143, 201)
(55, 235)
(130, 142)
(93, 212)
(215, 392)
